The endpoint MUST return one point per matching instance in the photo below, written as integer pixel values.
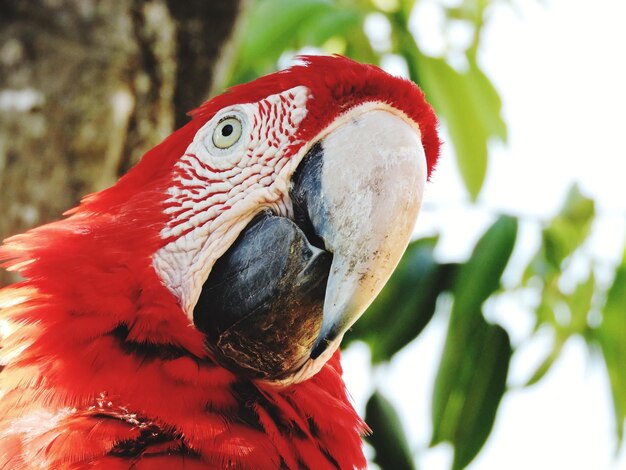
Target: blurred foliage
(476, 355)
(611, 335)
(472, 375)
(392, 449)
(564, 313)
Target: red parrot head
(328, 162)
(319, 169)
(252, 237)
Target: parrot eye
(227, 132)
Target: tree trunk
(88, 86)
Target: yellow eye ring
(227, 132)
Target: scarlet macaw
(190, 315)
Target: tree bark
(88, 86)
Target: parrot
(190, 315)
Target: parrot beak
(277, 304)
(362, 198)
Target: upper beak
(278, 302)
(362, 198)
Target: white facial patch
(218, 190)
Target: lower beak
(278, 302)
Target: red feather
(104, 369)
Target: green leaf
(487, 102)
(472, 119)
(480, 277)
(579, 303)
(467, 102)
(574, 308)
(562, 236)
(469, 386)
(335, 22)
(569, 228)
(359, 48)
(283, 16)
(612, 337)
(545, 365)
(472, 375)
(387, 438)
(407, 7)
(406, 304)
(551, 296)
(271, 28)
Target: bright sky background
(560, 67)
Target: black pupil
(227, 130)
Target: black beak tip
(323, 342)
(319, 348)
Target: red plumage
(104, 370)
